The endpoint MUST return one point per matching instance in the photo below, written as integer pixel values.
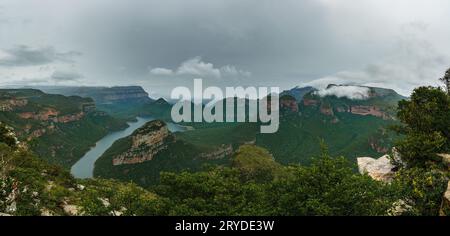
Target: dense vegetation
(57, 142)
(252, 183)
(426, 125)
(425, 129)
(261, 187)
(302, 135)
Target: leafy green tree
(426, 131)
(329, 186)
(426, 125)
(255, 163)
(422, 189)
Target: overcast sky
(162, 44)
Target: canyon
(146, 142)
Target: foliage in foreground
(426, 132)
(329, 186)
(426, 126)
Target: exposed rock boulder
(70, 209)
(379, 169)
(445, 208)
(445, 159)
(46, 212)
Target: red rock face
(69, 118)
(132, 160)
(44, 115)
(26, 115)
(368, 110)
(51, 115)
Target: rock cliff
(379, 169)
(377, 102)
(219, 153)
(146, 142)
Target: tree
(422, 189)
(426, 125)
(327, 187)
(446, 80)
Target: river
(84, 168)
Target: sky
(162, 44)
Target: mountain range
(60, 128)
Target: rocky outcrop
(50, 114)
(69, 118)
(368, 110)
(445, 159)
(71, 210)
(221, 152)
(445, 207)
(11, 103)
(146, 142)
(43, 115)
(379, 169)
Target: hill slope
(149, 150)
(60, 129)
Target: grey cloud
(161, 71)
(64, 76)
(26, 56)
(282, 43)
(196, 67)
(414, 62)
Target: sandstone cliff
(379, 169)
(146, 142)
